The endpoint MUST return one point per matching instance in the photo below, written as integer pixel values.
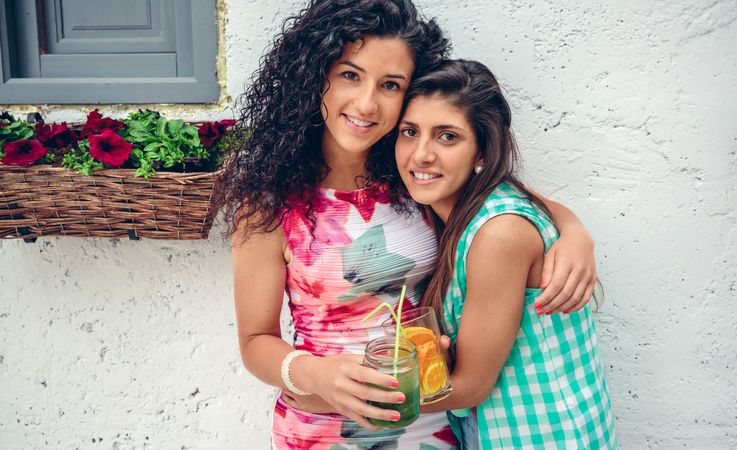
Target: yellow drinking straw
(383, 305)
(397, 322)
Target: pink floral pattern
(357, 255)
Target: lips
(358, 125)
(424, 177)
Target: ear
(479, 161)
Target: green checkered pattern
(551, 393)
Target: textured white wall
(626, 111)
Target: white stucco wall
(625, 111)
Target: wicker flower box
(53, 201)
(146, 176)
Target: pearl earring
(478, 169)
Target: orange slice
(419, 335)
(433, 379)
(426, 352)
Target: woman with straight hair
(534, 381)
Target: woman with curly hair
(316, 207)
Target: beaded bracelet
(285, 371)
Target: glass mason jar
(380, 356)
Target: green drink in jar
(380, 355)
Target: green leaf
(175, 126)
(139, 134)
(16, 131)
(153, 146)
(161, 127)
(81, 161)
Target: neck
(347, 171)
(442, 212)
(443, 208)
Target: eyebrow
(441, 126)
(361, 69)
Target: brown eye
(448, 137)
(350, 75)
(392, 86)
(409, 132)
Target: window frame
(196, 38)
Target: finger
(564, 295)
(370, 411)
(584, 300)
(367, 375)
(360, 412)
(444, 342)
(557, 284)
(365, 392)
(573, 301)
(444, 346)
(548, 267)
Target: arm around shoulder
(569, 269)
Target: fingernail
(394, 383)
(400, 398)
(549, 313)
(543, 284)
(538, 305)
(566, 312)
(396, 416)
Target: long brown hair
(471, 87)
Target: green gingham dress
(551, 392)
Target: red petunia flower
(109, 148)
(96, 123)
(211, 132)
(23, 153)
(57, 135)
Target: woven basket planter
(53, 201)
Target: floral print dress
(359, 254)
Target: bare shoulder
(244, 237)
(508, 234)
(258, 243)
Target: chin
(357, 146)
(419, 198)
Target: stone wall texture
(626, 111)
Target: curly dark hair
(276, 156)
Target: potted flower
(144, 176)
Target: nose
(366, 103)
(423, 153)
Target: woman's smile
(358, 125)
(424, 177)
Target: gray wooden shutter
(108, 51)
